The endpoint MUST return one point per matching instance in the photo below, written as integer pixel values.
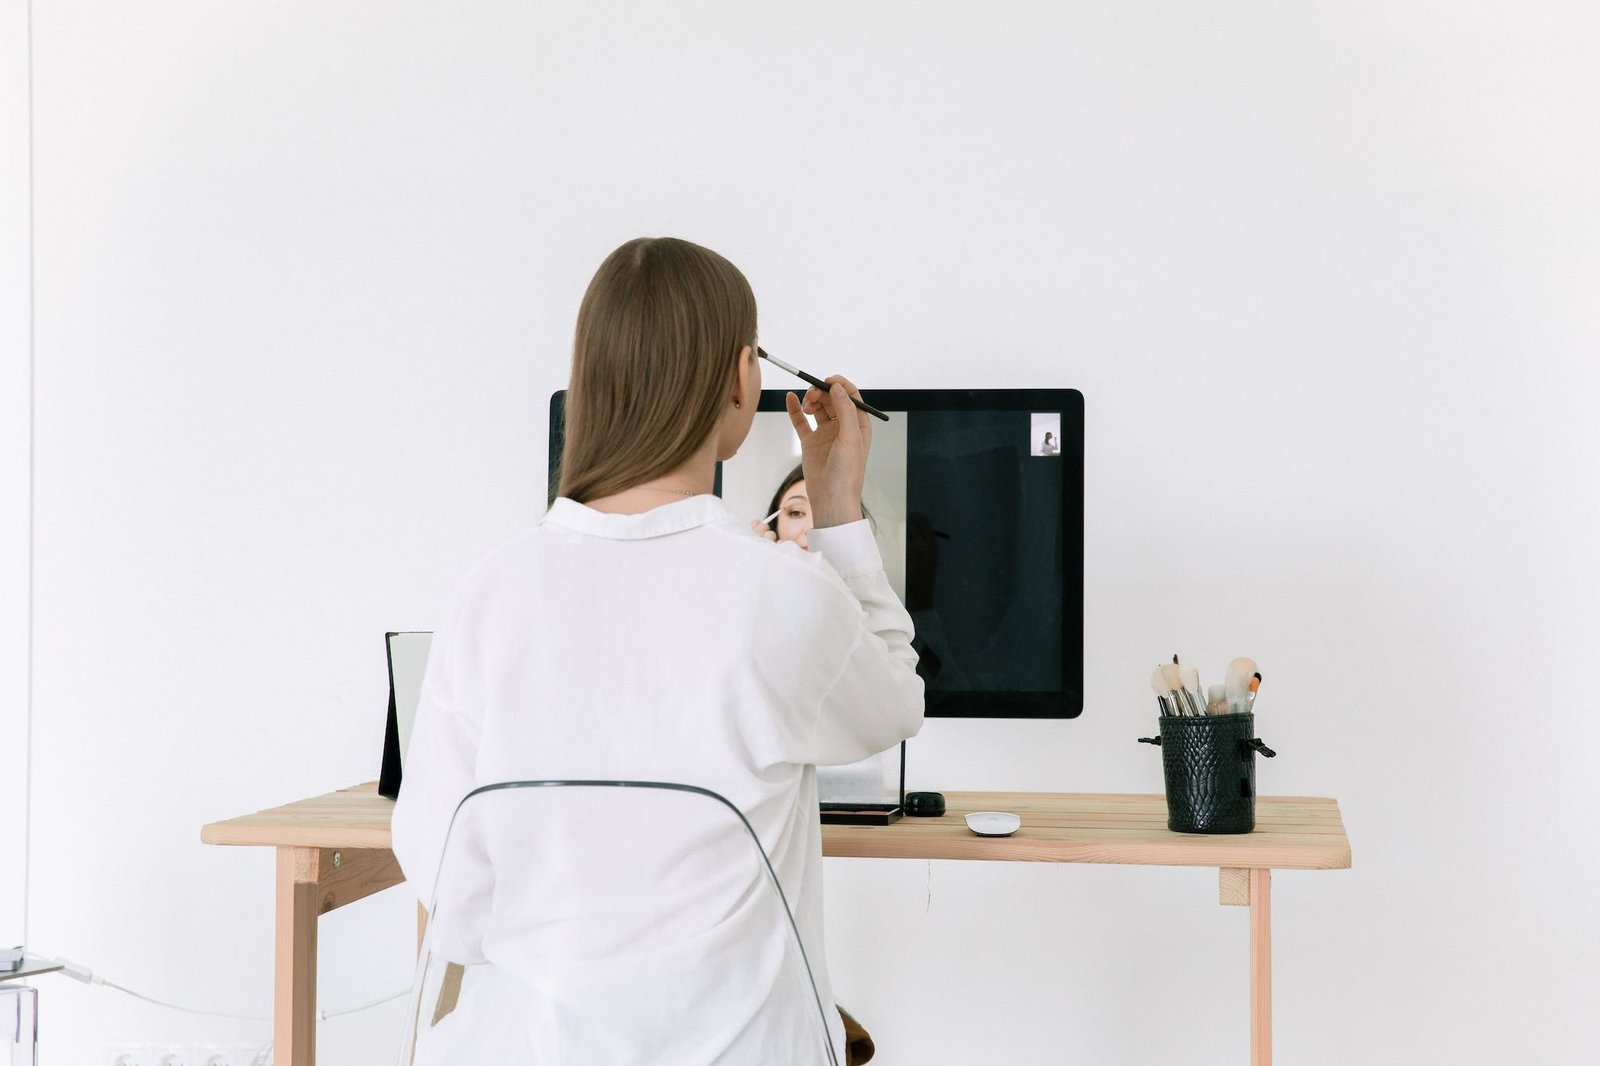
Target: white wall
(14, 459)
(306, 276)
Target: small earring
(737, 406)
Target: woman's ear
(747, 383)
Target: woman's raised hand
(834, 454)
(763, 530)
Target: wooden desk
(334, 849)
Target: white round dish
(993, 823)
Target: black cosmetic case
(1210, 765)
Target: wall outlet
(128, 1055)
(230, 1055)
(215, 1055)
(188, 1055)
(253, 1054)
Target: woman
(641, 632)
(790, 507)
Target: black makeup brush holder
(1210, 765)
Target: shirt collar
(662, 521)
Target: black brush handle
(858, 401)
(823, 385)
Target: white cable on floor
(325, 1015)
(185, 1010)
(89, 977)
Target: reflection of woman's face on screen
(794, 516)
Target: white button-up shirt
(674, 645)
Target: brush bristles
(1171, 677)
(1179, 692)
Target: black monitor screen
(976, 500)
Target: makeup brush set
(1180, 695)
(1207, 747)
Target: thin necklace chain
(657, 488)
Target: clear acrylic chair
(19, 1025)
(611, 922)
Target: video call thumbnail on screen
(976, 501)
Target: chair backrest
(611, 922)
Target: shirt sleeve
(440, 770)
(875, 701)
(438, 773)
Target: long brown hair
(656, 354)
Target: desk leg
(1260, 968)
(294, 1007)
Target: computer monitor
(976, 499)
